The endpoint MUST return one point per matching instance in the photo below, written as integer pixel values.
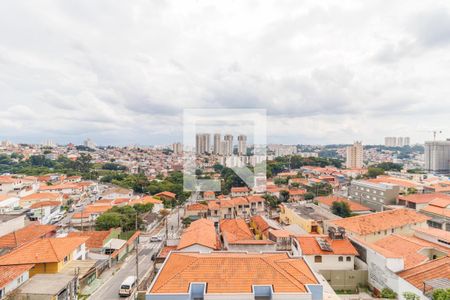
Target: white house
(325, 253)
(44, 211)
(8, 203)
(12, 277)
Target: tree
(143, 208)
(374, 172)
(388, 293)
(108, 220)
(410, 296)
(441, 294)
(309, 196)
(284, 195)
(411, 191)
(341, 209)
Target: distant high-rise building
(89, 143)
(202, 143)
(242, 144)
(177, 148)
(354, 158)
(216, 144)
(392, 141)
(228, 138)
(437, 156)
(48, 143)
(406, 141)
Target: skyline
(325, 73)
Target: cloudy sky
(121, 72)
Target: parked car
(156, 238)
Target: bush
(388, 293)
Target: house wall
(373, 237)
(12, 225)
(16, 282)
(331, 262)
(289, 216)
(252, 248)
(197, 248)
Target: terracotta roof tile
(42, 251)
(201, 232)
(438, 268)
(227, 272)
(9, 273)
(96, 239)
(26, 235)
(422, 198)
(367, 224)
(354, 206)
(310, 246)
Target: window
(66, 259)
(341, 258)
(349, 258)
(318, 259)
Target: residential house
(45, 211)
(308, 216)
(12, 277)
(296, 195)
(10, 184)
(434, 235)
(88, 216)
(439, 212)
(387, 258)
(31, 199)
(8, 203)
(25, 235)
(96, 239)
(240, 191)
(261, 226)
(157, 204)
(196, 211)
(200, 236)
(11, 222)
(167, 196)
(236, 236)
(209, 195)
(373, 227)
(419, 201)
(355, 208)
(229, 275)
(49, 286)
(325, 252)
(282, 239)
(49, 255)
(405, 185)
(117, 192)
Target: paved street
(110, 288)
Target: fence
(345, 280)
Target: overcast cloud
(121, 72)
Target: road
(110, 288)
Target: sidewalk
(98, 282)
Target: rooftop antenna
(435, 132)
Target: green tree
(309, 196)
(411, 191)
(341, 209)
(441, 294)
(108, 220)
(284, 195)
(410, 296)
(388, 293)
(373, 172)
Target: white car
(156, 238)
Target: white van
(127, 286)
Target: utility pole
(137, 252)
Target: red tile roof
(422, 198)
(96, 239)
(26, 235)
(438, 268)
(368, 224)
(201, 232)
(42, 251)
(228, 272)
(44, 204)
(310, 246)
(9, 273)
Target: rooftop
(422, 198)
(46, 284)
(201, 232)
(311, 211)
(435, 269)
(9, 273)
(42, 251)
(310, 245)
(228, 272)
(25, 235)
(371, 223)
(354, 206)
